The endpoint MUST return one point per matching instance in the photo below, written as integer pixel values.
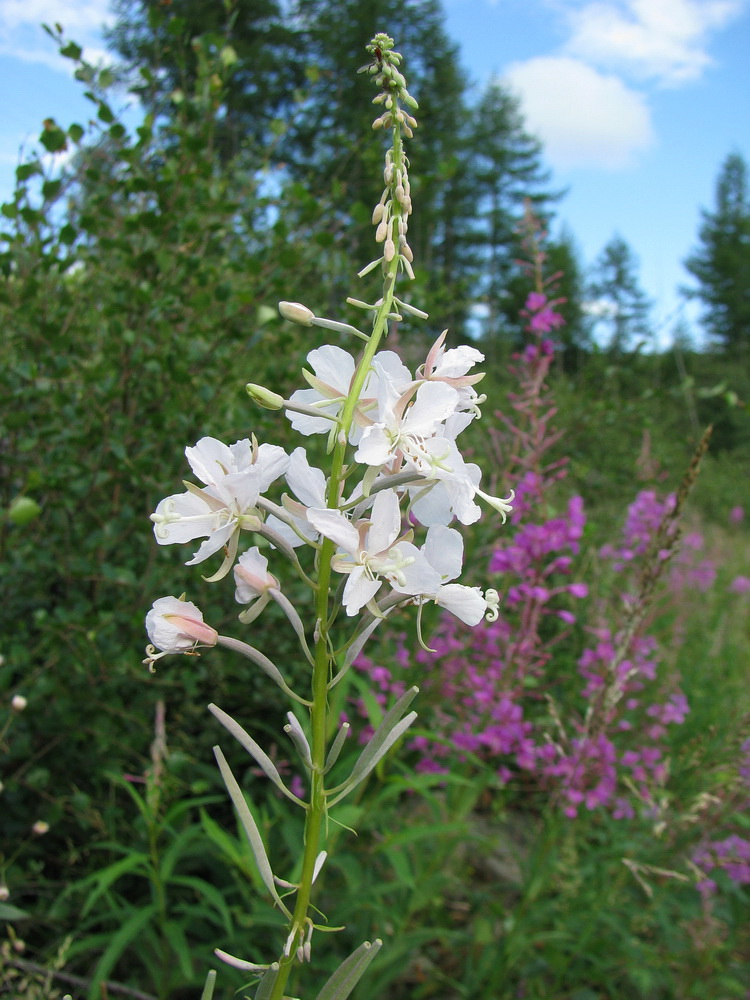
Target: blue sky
(637, 103)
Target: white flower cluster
(404, 431)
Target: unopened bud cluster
(392, 212)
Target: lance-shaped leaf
(267, 982)
(251, 830)
(333, 753)
(349, 973)
(388, 732)
(255, 751)
(266, 665)
(297, 735)
(208, 989)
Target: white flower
(308, 484)
(176, 626)
(330, 379)
(40, 828)
(371, 551)
(405, 423)
(235, 476)
(444, 550)
(452, 366)
(18, 703)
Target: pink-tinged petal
(374, 447)
(466, 603)
(336, 526)
(444, 550)
(435, 352)
(359, 590)
(174, 626)
(385, 520)
(216, 540)
(251, 576)
(457, 361)
(210, 460)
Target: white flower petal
(336, 526)
(386, 522)
(170, 524)
(444, 550)
(306, 482)
(374, 447)
(216, 540)
(211, 460)
(466, 603)
(334, 366)
(359, 590)
(434, 402)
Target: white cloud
(73, 15)
(584, 118)
(22, 37)
(665, 40)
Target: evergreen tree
(617, 302)
(721, 264)
(506, 174)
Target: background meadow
(568, 821)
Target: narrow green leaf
(255, 751)
(208, 989)
(118, 945)
(209, 892)
(266, 983)
(108, 876)
(251, 829)
(180, 948)
(349, 973)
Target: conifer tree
(721, 264)
(618, 303)
(507, 175)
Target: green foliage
(137, 294)
(138, 288)
(721, 264)
(621, 306)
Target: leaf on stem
(255, 751)
(267, 982)
(251, 829)
(388, 732)
(349, 973)
(208, 989)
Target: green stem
(322, 668)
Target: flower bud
(18, 703)
(40, 828)
(295, 312)
(4, 893)
(264, 397)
